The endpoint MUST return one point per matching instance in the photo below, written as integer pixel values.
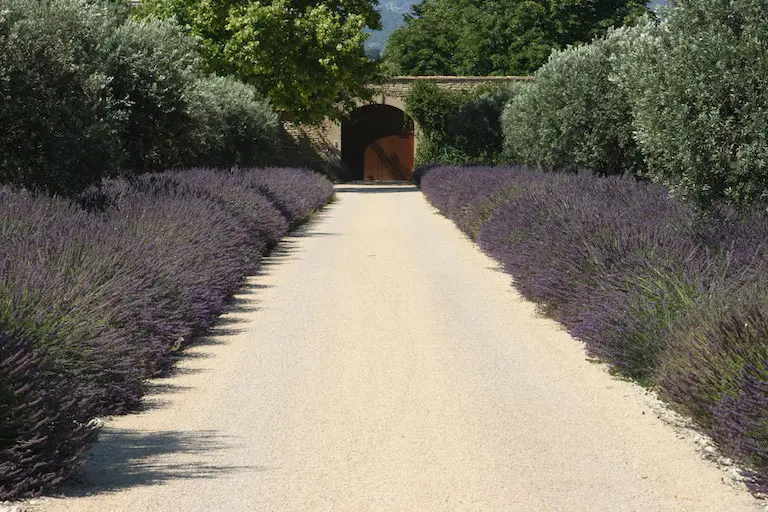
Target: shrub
(151, 66)
(296, 194)
(714, 361)
(107, 296)
(475, 129)
(458, 127)
(60, 127)
(716, 370)
(468, 195)
(421, 170)
(573, 116)
(235, 192)
(44, 291)
(432, 107)
(605, 257)
(44, 429)
(233, 124)
(89, 93)
(697, 88)
(148, 272)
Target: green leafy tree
(307, 56)
(425, 44)
(499, 37)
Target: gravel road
(381, 362)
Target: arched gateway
(377, 141)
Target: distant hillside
(392, 17)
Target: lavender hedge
(99, 295)
(281, 189)
(469, 202)
(667, 296)
(43, 428)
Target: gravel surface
(381, 362)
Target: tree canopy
(499, 37)
(307, 56)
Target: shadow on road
(130, 458)
(377, 189)
(124, 458)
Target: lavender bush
(664, 294)
(44, 430)
(235, 192)
(295, 194)
(96, 300)
(716, 370)
(469, 198)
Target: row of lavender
(667, 296)
(99, 293)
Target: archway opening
(377, 143)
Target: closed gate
(389, 158)
(377, 144)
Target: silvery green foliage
(573, 115)
(698, 88)
(151, 65)
(58, 125)
(233, 124)
(86, 92)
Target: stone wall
(400, 86)
(319, 147)
(309, 146)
